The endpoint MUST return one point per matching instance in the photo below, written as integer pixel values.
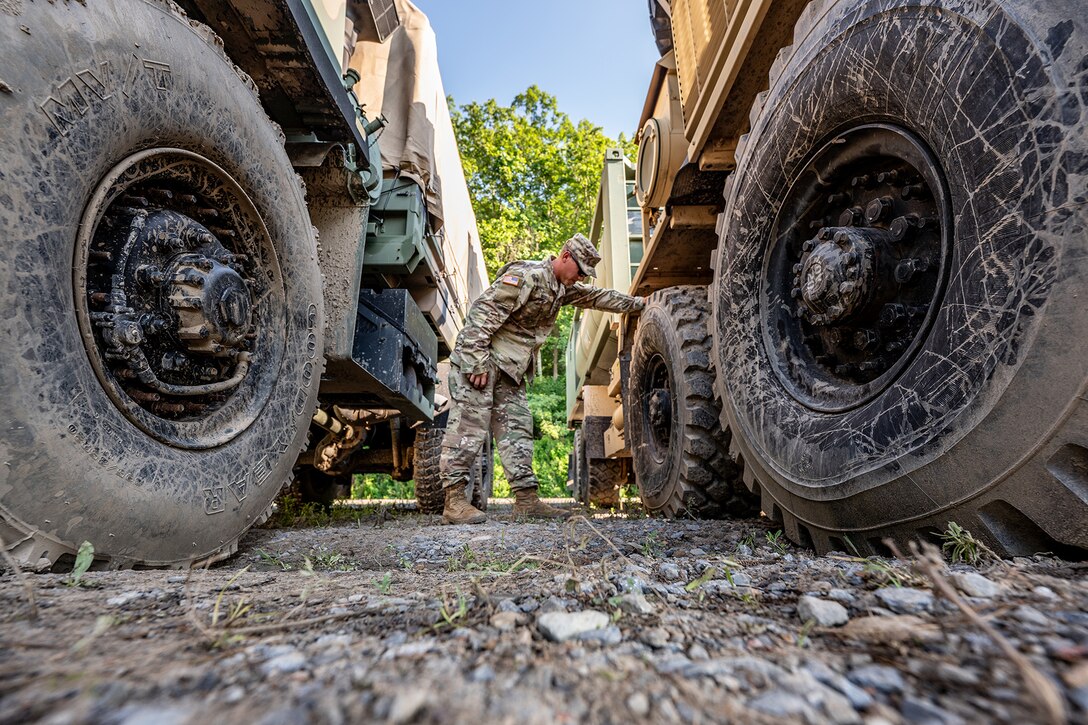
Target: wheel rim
(659, 408)
(857, 266)
(179, 298)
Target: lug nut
(877, 209)
(795, 292)
(842, 237)
(797, 268)
(839, 198)
(887, 177)
(808, 245)
(850, 217)
(908, 268)
(866, 339)
(826, 234)
(149, 274)
(863, 181)
(913, 191)
(891, 315)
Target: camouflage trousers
(500, 409)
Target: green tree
(533, 174)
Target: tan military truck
(231, 232)
(866, 222)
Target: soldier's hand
(479, 380)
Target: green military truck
(864, 224)
(236, 244)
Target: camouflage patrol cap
(584, 254)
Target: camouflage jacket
(513, 317)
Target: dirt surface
(384, 614)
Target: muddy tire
(679, 453)
(605, 479)
(576, 469)
(482, 480)
(426, 457)
(430, 497)
(864, 417)
(314, 487)
(107, 101)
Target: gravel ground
(384, 614)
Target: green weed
(777, 541)
(274, 559)
(323, 558)
(84, 558)
(452, 612)
(960, 545)
(385, 584)
(651, 546)
(703, 578)
(802, 637)
(234, 611)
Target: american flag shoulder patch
(511, 279)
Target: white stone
(905, 600)
(504, 621)
(639, 704)
(561, 626)
(975, 585)
(284, 664)
(823, 612)
(635, 604)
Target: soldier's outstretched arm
(598, 298)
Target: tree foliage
(533, 173)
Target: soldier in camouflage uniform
(506, 324)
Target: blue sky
(594, 56)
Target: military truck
(864, 225)
(236, 244)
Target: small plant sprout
(960, 545)
(452, 614)
(777, 541)
(651, 547)
(234, 612)
(84, 557)
(385, 584)
(706, 576)
(275, 559)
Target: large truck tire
(153, 236)
(679, 452)
(605, 479)
(430, 497)
(427, 454)
(900, 283)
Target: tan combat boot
(527, 503)
(458, 510)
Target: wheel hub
(858, 266)
(211, 302)
(174, 310)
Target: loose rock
(561, 626)
(905, 600)
(823, 612)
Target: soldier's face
(567, 271)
